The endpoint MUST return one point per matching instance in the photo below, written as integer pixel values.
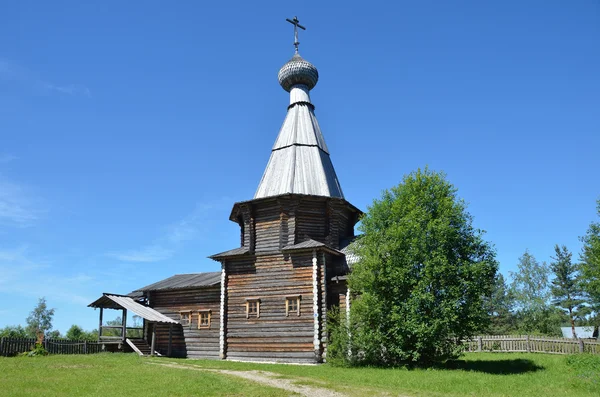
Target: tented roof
(299, 161)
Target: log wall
(272, 336)
(188, 340)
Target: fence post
(85, 347)
(527, 345)
(479, 343)
(2, 346)
(581, 349)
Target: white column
(347, 304)
(223, 314)
(317, 340)
(324, 301)
(348, 318)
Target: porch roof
(112, 301)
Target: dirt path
(266, 378)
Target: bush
(38, 350)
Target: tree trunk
(572, 322)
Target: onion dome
(298, 71)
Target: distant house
(581, 332)
(270, 300)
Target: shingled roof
(300, 162)
(179, 281)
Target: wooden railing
(13, 346)
(531, 344)
(115, 333)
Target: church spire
(299, 162)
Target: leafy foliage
(78, 333)
(590, 262)
(13, 331)
(531, 289)
(566, 286)
(38, 350)
(499, 306)
(40, 319)
(422, 278)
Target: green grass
(115, 374)
(477, 374)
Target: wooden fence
(531, 344)
(14, 346)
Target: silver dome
(298, 71)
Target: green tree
(566, 285)
(531, 289)
(117, 322)
(13, 331)
(75, 333)
(590, 262)
(499, 306)
(78, 333)
(422, 277)
(40, 319)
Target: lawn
(478, 374)
(115, 374)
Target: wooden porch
(122, 337)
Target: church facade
(270, 300)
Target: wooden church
(270, 300)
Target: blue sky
(129, 129)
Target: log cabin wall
(188, 340)
(270, 275)
(272, 336)
(267, 225)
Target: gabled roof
(114, 301)
(179, 281)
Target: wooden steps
(140, 346)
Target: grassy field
(478, 374)
(116, 374)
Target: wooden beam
(153, 339)
(124, 324)
(170, 340)
(100, 324)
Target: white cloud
(7, 158)
(13, 72)
(70, 89)
(176, 234)
(151, 253)
(17, 207)
(22, 275)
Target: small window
(252, 308)
(185, 318)
(292, 305)
(203, 319)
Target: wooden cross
(297, 25)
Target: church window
(292, 305)
(252, 307)
(185, 318)
(204, 319)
